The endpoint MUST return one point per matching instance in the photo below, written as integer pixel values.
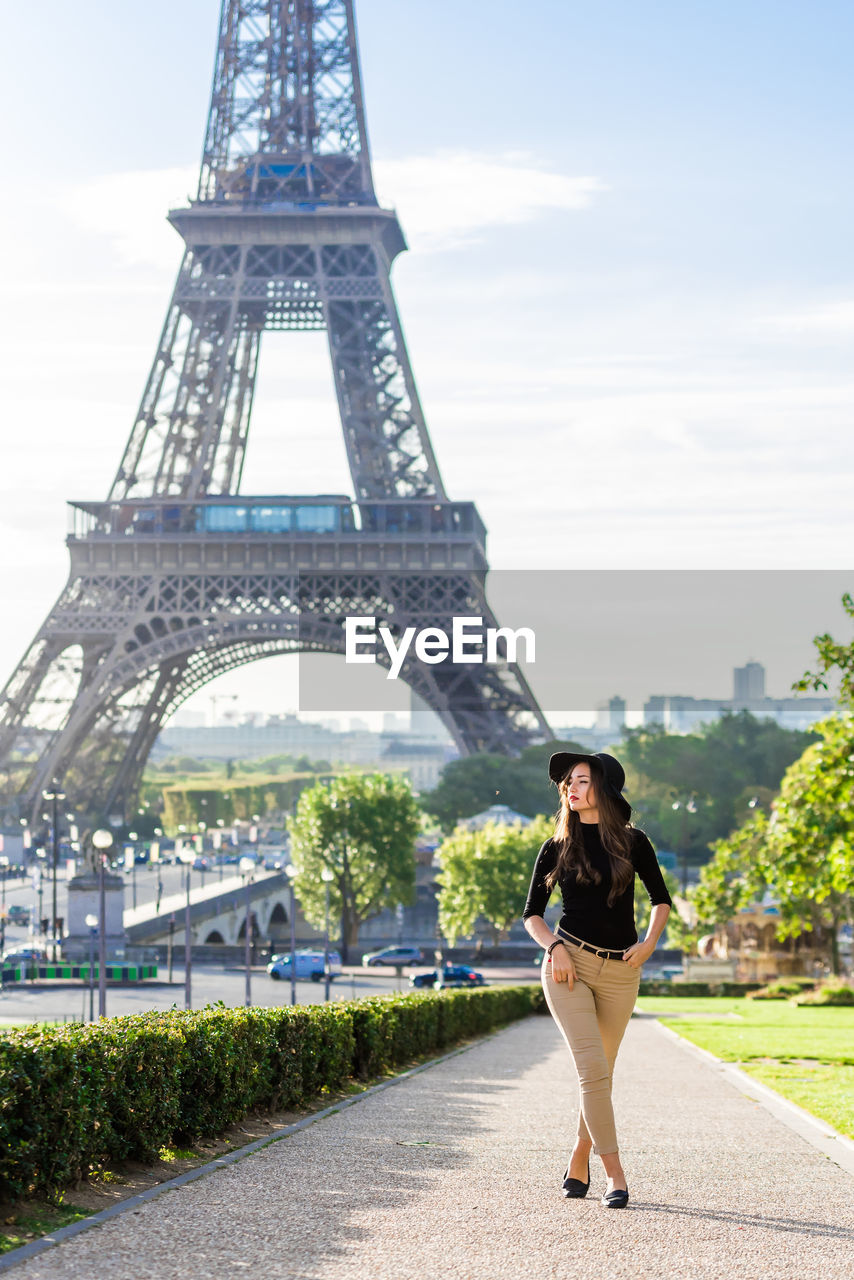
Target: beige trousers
(592, 1019)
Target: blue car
(452, 975)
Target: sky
(628, 296)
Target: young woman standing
(591, 969)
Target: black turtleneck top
(586, 913)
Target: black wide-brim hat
(607, 769)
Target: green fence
(70, 972)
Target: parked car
(452, 975)
(20, 956)
(18, 914)
(393, 956)
(459, 975)
(309, 964)
(424, 979)
(661, 973)
(276, 860)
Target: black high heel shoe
(617, 1199)
(574, 1188)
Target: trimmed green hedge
(79, 1096)
(729, 989)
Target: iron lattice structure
(175, 579)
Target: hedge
(81, 1096)
(656, 987)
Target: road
(48, 1002)
(143, 884)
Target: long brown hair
(614, 833)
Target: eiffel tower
(177, 577)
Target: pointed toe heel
(616, 1199)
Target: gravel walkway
(455, 1172)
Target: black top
(586, 913)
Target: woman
(591, 969)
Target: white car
(309, 964)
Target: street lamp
(290, 872)
(92, 922)
(102, 840)
(132, 835)
(187, 859)
(246, 866)
(327, 876)
(4, 869)
(54, 795)
(202, 829)
(687, 806)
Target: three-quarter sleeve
(539, 892)
(646, 865)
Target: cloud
(829, 319)
(129, 210)
(447, 198)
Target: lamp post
(54, 795)
(92, 922)
(290, 872)
(170, 944)
(247, 869)
(4, 868)
(133, 837)
(187, 858)
(102, 840)
(327, 876)
(687, 806)
(39, 888)
(217, 842)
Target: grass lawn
(806, 1054)
(21, 1224)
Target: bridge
(217, 912)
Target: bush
(77, 1097)
(729, 989)
(832, 993)
(781, 989)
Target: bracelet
(558, 942)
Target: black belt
(597, 951)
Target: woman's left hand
(638, 953)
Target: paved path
(455, 1172)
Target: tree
(678, 933)
(362, 828)
(803, 855)
(487, 873)
(833, 657)
(811, 845)
(473, 783)
(735, 875)
(721, 768)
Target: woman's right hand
(563, 969)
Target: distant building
(421, 760)
(423, 721)
(611, 717)
(682, 714)
(495, 813)
(748, 683)
(277, 735)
